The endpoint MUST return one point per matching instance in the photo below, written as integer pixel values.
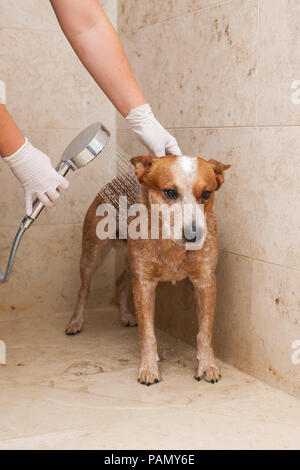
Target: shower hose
(4, 277)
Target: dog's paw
(128, 319)
(74, 327)
(209, 374)
(149, 376)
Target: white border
(2, 92)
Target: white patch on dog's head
(188, 164)
(185, 173)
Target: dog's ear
(219, 169)
(142, 165)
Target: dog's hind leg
(93, 254)
(124, 289)
(94, 251)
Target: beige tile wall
(52, 98)
(219, 75)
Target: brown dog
(172, 180)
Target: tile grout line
(122, 129)
(117, 129)
(45, 129)
(266, 126)
(252, 258)
(30, 30)
(257, 63)
(67, 224)
(259, 260)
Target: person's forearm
(99, 48)
(11, 138)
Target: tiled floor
(81, 392)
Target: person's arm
(99, 48)
(31, 166)
(11, 138)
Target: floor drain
(84, 368)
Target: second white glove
(151, 133)
(36, 174)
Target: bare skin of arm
(99, 48)
(11, 138)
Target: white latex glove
(151, 133)
(34, 171)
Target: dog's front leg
(205, 298)
(144, 299)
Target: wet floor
(81, 392)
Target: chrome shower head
(86, 146)
(79, 153)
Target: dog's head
(184, 183)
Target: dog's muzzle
(192, 234)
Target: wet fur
(152, 261)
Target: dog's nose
(192, 234)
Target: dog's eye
(206, 195)
(171, 193)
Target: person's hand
(151, 133)
(34, 171)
